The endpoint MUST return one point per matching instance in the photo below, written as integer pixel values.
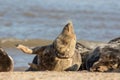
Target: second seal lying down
(105, 58)
(59, 56)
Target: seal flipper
(24, 49)
(35, 61)
(34, 66)
(38, 50)
(27, 50)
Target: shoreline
(11, 42)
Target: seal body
(85, 48)
(6, 62)
(104, 59)
(84, 52)
(50, 61)
(61, 55)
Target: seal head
(65, 43)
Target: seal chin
(62, 56)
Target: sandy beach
(58, 76)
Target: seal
(104, 59)
(61, 55)
(84, 52)
(85, 48)
(6, 62)
(114, 41)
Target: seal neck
(60, 55)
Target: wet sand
(11, 42)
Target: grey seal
(61, 55)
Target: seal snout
(68, 28)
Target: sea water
(97, 20)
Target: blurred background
(33, 22)
(97, 20)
